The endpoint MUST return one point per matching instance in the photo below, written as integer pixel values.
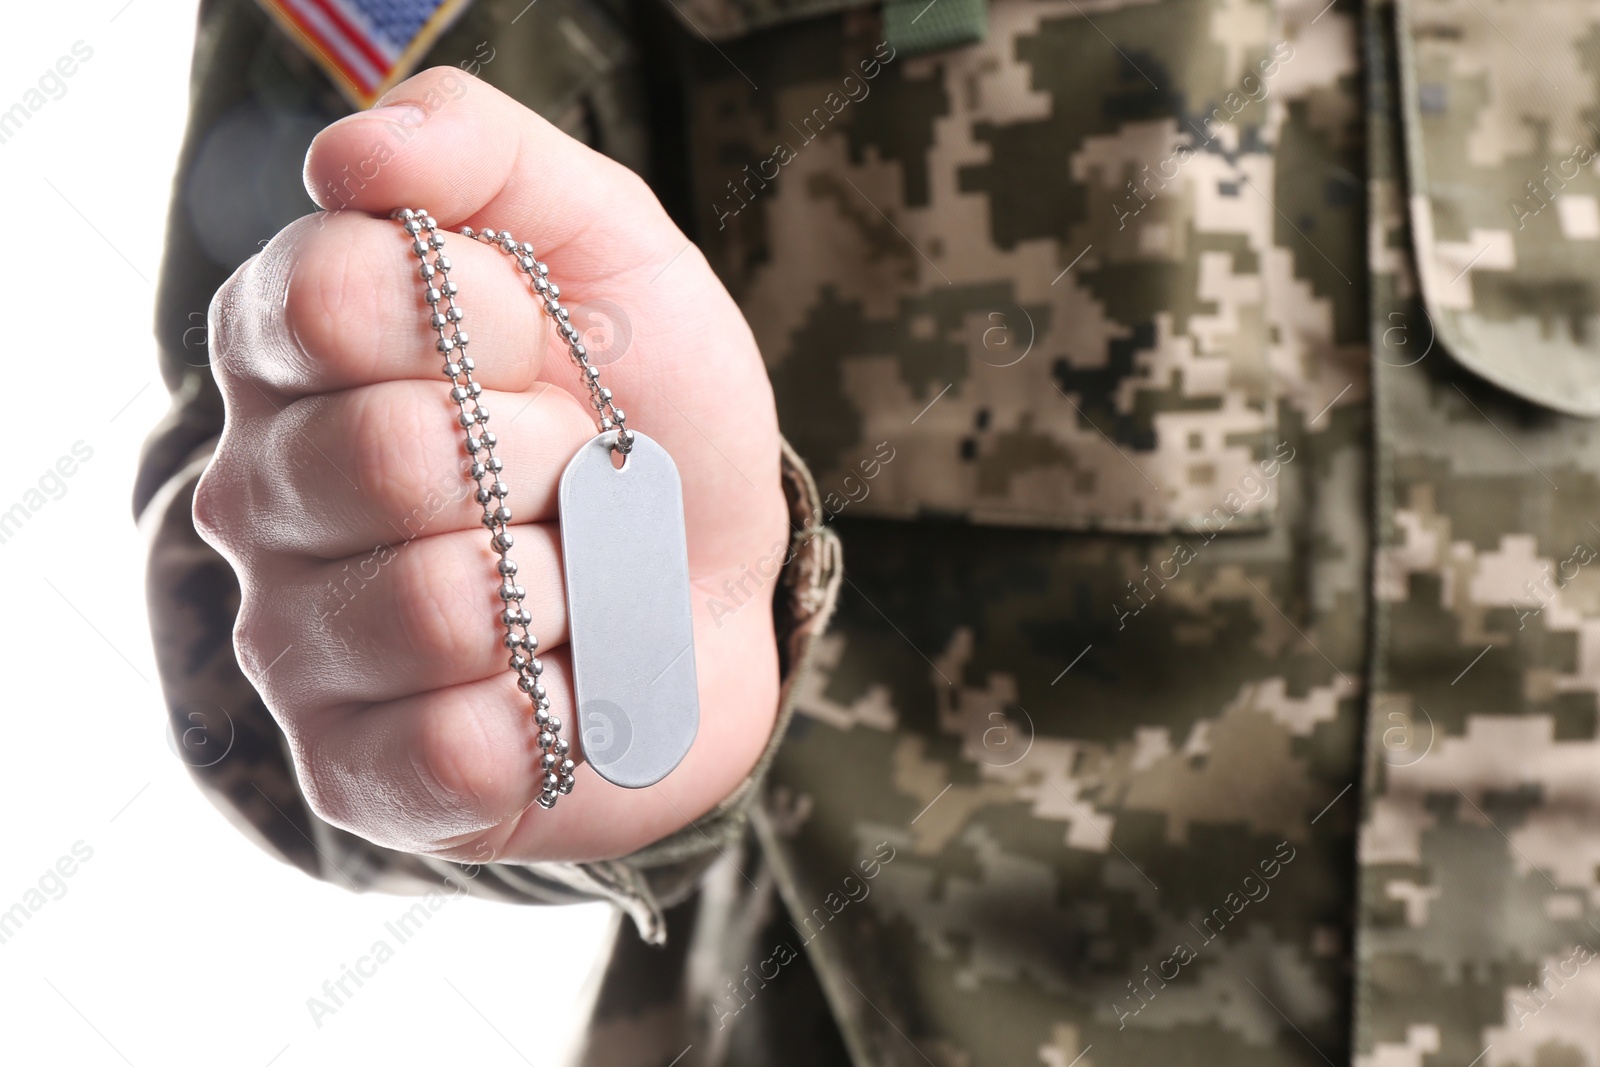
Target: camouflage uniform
(1203, 392)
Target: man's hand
(369, 618)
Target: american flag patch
(366, 46)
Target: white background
(178, 941)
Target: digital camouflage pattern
(1213, 682)
(1480, 896)
(1501, 106)
(1056, 312)
(1096, 754)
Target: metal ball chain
(607, 414)
(445, 318)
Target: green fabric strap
(913, 27)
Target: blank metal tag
(626, 559)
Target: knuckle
(331, 301)
(630, 183)
(409, 787)
(626, 186)
(213, 507)
(236, 319)
(205, 507)
(459, 765)
(223, 334)
(343, 785)
(322, 778)
(229, 489)
(244, 333)
(252, 635)
(272, 622)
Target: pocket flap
(1505, 188)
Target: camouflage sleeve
(255, 105)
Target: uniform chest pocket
(1501, 160)
(1021, 281)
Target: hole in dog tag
(626, 560)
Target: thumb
(459, 148)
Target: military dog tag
(626, 560)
